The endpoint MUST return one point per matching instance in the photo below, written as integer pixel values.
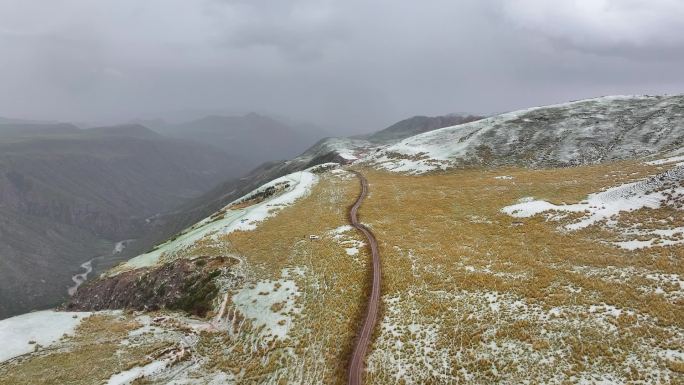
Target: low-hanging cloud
(355, 64)
(630, 27)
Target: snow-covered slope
(348, 150)
(418, 125)
(653, 192)
(21, 334)
(342, 150)
(242, 214)
(582, 132)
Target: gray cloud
(641, 29)
(354, 64)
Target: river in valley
(88, 265)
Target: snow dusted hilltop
(576, 133)
(606, 207)
(243, 214)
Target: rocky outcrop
(188, 285)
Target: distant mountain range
(253, 138)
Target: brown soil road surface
(358, 357)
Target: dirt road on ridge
(356, 364)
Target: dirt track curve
(358, 357)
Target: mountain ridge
(579, 132)
(253, 138)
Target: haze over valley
(71, 195)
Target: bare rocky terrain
(182, 285)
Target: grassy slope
(456, 266)
(467, 296)
(330, 289)
(330, 286)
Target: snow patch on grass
(659, 237)
(337, 232)
(147, 328)
(342, 174)
(660, 162)
(488, 270)
(269, 305)
(670, 286)
(343, 236)
(352, 251)
(416, 337)
(20, 335)
(130, 375)
(154, 368)
(648, 193)
(501, 337)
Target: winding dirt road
(363, 339)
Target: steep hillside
(67, 195)
(492, 272)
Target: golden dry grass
(91, 356)
(443, 235)
(331, 291)
(468, 295)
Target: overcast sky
(354, 64)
